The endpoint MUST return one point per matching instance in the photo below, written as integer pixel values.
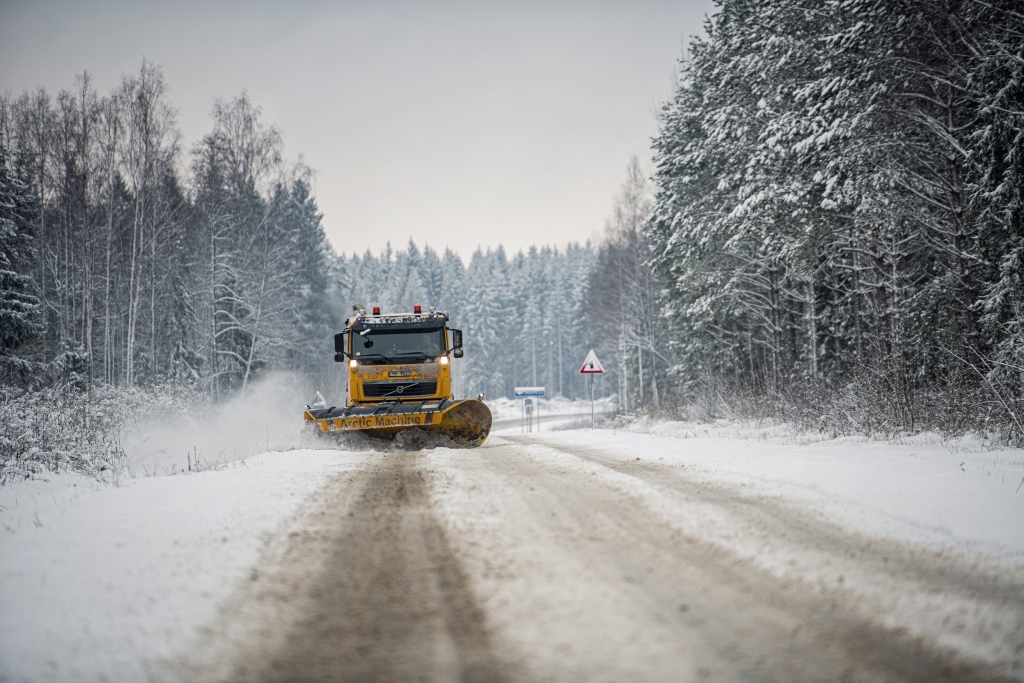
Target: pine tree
(19, 307)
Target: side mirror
(339, 347)
(456, 339)
(457, 353)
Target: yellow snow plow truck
(399, 378)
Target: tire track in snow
(363, 587)
(392, 603)
(667, 605)
(960, 600)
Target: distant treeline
(839, 214)
(127, 260)
(521, 315)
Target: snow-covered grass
(98, 581)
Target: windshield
(398, 346)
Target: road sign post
(591, 366)
(528, 394)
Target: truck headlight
(444, 360)
(352, 363)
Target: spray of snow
(267, 417)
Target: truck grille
(399, 389)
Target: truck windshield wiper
(393, 358)
(418, 354)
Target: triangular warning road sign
(592, 366)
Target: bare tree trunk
(624, 366)
(259, 312)
(551, 362)
(108, 356)
(812, 328)
(533, 352)
(640, 374)
(655, 399)
(129, 370)
(89, 294)
(560, 373)
(152, 299)
(214, 366)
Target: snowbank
(97, 580)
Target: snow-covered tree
(19, 307)
(832, 206)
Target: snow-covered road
(687, 554)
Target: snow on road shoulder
(766, 530)
(98, 580)
(920, 492)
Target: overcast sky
(457, 124)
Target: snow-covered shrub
(65, 429)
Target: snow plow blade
(467, 422)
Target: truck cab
(403, 357)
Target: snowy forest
(838, 219)
(830, 232)
(129, 261)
